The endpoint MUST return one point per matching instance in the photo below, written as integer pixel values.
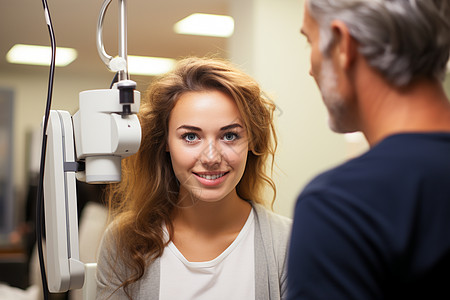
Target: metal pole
(123, 75)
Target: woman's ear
(167, 147)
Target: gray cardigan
(272, 234)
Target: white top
(231, 275)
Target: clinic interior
(265, 43)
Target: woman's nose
(211, 155)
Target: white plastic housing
(64, 270)
(103, 136)
(103, 168)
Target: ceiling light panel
(40, 55)
(206, 24)
(149, 66)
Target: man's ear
(345, 44)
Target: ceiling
(75, 24)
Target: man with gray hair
(378, 226)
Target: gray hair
(402, 39)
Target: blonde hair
(145, 198)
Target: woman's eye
(190, 137)
(230, 136)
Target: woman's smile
(211, 179)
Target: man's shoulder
(387, 171)
(334, 177)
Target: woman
(189, 216)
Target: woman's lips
(211, 179)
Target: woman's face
(208, 146)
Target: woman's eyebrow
(194, 128)
(188, 127)
(231, 126)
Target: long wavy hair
(148, 193)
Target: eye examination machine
(87, 146)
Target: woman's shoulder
(111, 242)
(108, 243)
(269, 220)
(272, 237)
(272, 216)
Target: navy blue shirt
(378, 226)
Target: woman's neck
(228, 214)
(204, 230)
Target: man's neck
(422, 106)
